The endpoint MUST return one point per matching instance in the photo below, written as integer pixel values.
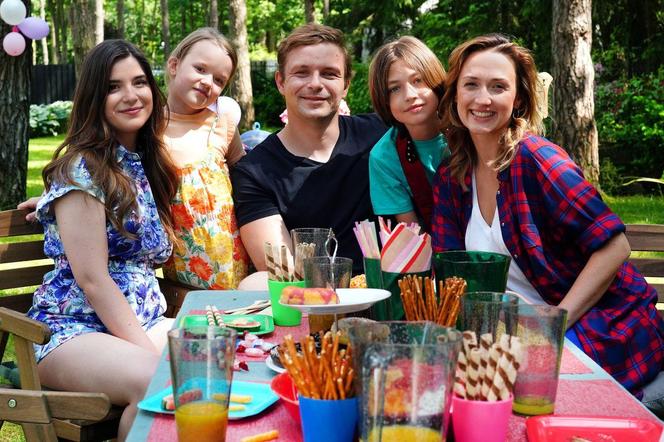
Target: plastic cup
(489, 312)
(328, 420)
(483, 271)
(321, 271)
(373, 273)
(317, 236)
(201, 361)
(480, 421)
(282, 315)
(391, 309)
(541, 329)
(406, 376)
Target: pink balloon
(34, 28)
(14, 44)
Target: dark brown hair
(313, 34)
(90, 136)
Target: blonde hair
(313, 34)
(201, 34)
(417, 56)
(526, 118)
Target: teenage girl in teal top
(406, 83)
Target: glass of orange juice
(201, 371)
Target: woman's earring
(518, 113)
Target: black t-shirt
(269, 180)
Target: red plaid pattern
(552, 220)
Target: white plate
(272, 366)
(350, 300)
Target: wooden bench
(47, 415)
(649, 238)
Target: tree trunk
(99, 21)
(119, 9)
(326, 10)
(573, 84)
(241, 87)
(309, 11)
(165, 28)
(53, 34)
(83, 29)
(60, 25)
(213, 20)
(44, 41)
(14, 122)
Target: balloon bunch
(13, 13)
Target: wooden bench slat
(646, 237)
(13, 223)
(649, 266)
(23, 277)
(23, 251)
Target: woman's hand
(30, 205)
(595, 278)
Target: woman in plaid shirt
(506, 189)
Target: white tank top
(482, 237)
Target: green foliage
(358, 98)
(49, 119)
(610, 179)
(268, 102)
(630, 123)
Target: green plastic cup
(282, 315)
(483, 271)
(372, 273)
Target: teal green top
(390, 192)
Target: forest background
(627, 55)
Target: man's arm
(254, 234)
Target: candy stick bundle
(365, 232)
(279, 262)
(325, 375)
(486, 371)
(418, 297)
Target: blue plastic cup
(328, 420)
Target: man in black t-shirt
(314, 172)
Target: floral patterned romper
(59, 301)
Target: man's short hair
(313, 34)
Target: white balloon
(12, 11)
(226, 105)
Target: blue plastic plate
(262, 397)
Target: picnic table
(584, 387)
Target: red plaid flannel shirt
(552, 221)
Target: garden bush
(49, 119)
(630, 123)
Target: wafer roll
(460, 389)
(269, 261)
(472, 381)
(492, 364)
(217, 316)
(283, 263)
(469, 341)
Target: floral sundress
(210, 253)
(59, 301)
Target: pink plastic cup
(480, 421)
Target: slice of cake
(308, 296)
